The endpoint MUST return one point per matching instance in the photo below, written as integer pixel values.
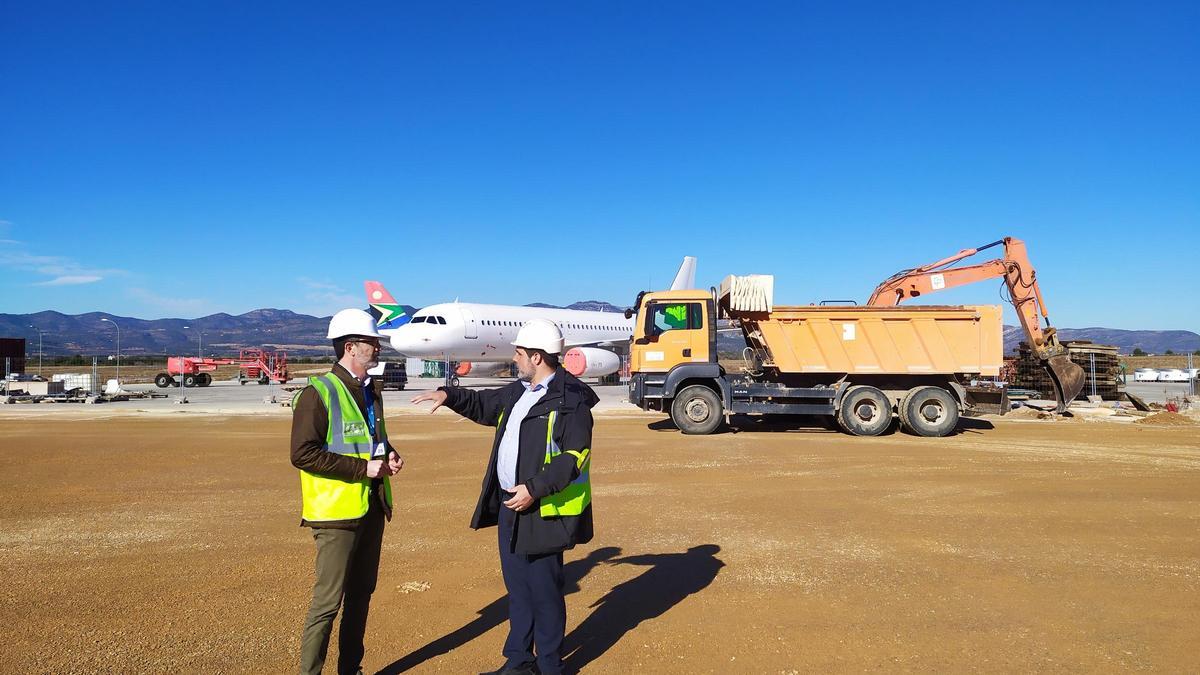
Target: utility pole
(118, 348)
(40, 332)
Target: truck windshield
(665, 316)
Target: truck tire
(929, 411)
(865, 411)
(205, 379)
(697, 410)
(264, 379)
(163, 380)
(189, 380)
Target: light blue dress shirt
(510, 442)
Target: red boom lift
(254, 365)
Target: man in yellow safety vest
(536, 489)
(340, 445)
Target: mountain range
(303, 335)
(214, 335)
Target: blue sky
(179, 159)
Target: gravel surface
(155, 543)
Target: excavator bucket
(1068, 379)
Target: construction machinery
(1020, 277)
(254, 365)
(858, 365)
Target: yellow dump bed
(879, 340)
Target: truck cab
(674, 348)
(673, 327)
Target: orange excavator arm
(1024, 292)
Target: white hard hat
(540, 334)
(352, 322)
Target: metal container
(42, 388)
(75, 381)
(879, 340)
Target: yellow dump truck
(858, 365)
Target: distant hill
(223, 334)
(584, 306)
(304, 335)
(1149, 341)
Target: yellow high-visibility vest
(573, 499)
(328, 498)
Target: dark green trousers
(347, 567)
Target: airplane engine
(590, 362)
(463, 369)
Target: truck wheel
(929, 411)
(264, 379)
(163, 380)
(454, 381)
(865, 411)
(189, 380)
(696, 410)
(205, 379)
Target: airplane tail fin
(685, 278)
(388, 313)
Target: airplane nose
(409, 344)
(401, 344)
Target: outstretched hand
(438, 397)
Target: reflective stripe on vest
(573, 499)
(328, 497)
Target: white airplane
(469, 333)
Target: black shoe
(523, 669)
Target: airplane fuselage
(462, 331)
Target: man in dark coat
(536, 488)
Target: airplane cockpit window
(419, 319)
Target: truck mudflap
(985, 399)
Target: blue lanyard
(369, 398)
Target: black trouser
(537, 613)
(347, 567)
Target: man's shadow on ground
(671, 577)
(495, 614)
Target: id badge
(380, 450)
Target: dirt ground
(170, 544)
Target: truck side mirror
(628, 313)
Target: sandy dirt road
(170, 544)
